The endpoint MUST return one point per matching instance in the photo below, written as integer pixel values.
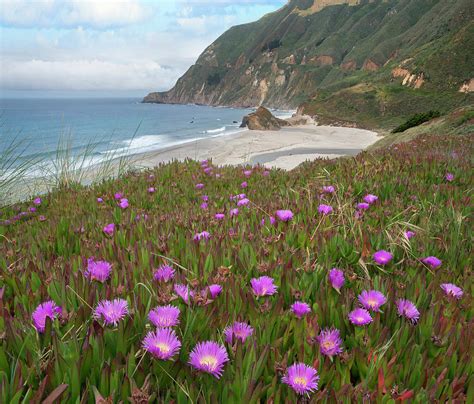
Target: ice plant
(162, 343)
(98, 270)
(284, 215)
(243, 202)
(336, 277)
(204, 235)
(205, 198)
(382, 257)
(237, 331)
(164, 273)
(432, 262)
(219, 216)
(409, 234)
(37, 201)
(109, 229)
(363, 206)
(360, 317)
(164, 316)
(215, 290)
(204, 205)
(244, 184)
(452, 290)
(248, 173)
(100, 200)
(330, 342)
(300, 309)
(234, 212)
(301, 378)
(263, 286)
(111, 311)
(209, 357)
(44, 310)
(370, 199)
(118, 195)
(151, 190)
(325, 209)
(183, 292)
(372, 299)
(123, 204)
(449, 177)
(408, 310)
(328, 189)
(41, 218)
(199, 186)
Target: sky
(124, 46)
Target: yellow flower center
(210, 361)
(302, 381)
(360, 319)
(328, 344)
(164, 348)
(372, 303)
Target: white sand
(286, 148)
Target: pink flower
(449, 177)
(219, 216)
(98, 270)
(363, 206)
(243, 202)
(244, 184)
(382, 257)
(99, 200)
(370, 199)
(118, 195)
(234, 212)
(360, 317)
(199, 186)
(248, 173)
(109, 229)
(284, 215)
(328, 189)
(215, 290)
(204, 206)
(300, 309)
(44, 310)
(37, 201)
(151, 190)
(409, 234)
(452, 290)
(336, 277)
(432, 262)
(263, 286)
(325, 209)
(123, 204)
(237, 331)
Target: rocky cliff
(314, 48)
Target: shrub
(416, 120)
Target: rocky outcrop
(262, 119)
(467, 86)
(370, 65)
(409, 79)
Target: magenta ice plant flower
(151, 190)
(372, 299)
(215, 290)
(44, 310)
(199, 186)
(382, 257)
(234, 212)
(452, 290)
(409, 234)
(164, 316)
(209, 357)
(449, 177)
(263, 286)
(41, 218)
(111, 311)
(237, 331)
(363, 206)
(162, 343)
(100, 200)
(328, 189)
(303, 379)
(118, 195)
(37, 201)
(360, 317)
(98, 270)
(325, 209)
(164, 273)
(330, 342)
(432, 262)
(248, 173)
(336, 277)
(244, 184)
(370, 199)
(109, 229)
(205, 198)
(300, 309)
(243, 202)
(123, 204)
(407, 309)
(219, 216)
(204, 205)
(183, 292)
(284, 215)
(204, 235)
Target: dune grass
(78, 357)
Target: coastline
(284, 149)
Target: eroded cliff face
(309, 46)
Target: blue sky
(104, 45)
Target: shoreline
(284, 149)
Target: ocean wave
(216, 130)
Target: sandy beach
(285, 149)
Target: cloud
(98, 14)
(85, 75)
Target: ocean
(112, 126)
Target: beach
(284, 149)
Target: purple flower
(37, 201)
(123, 204)
(199, 186)
(432, 262)
(263, 286)
(100, 200)
(370, 199)
(205, 198)
(325, 209)
(32, 209)
(248, 173)
(452, 290)
(239, 331)
(449, 177)
(271, 219)
(244, 184)
(215, 290)
(183, 292)
(164, 273)
(363, 206)
(98, 270)
(409, 234)
(301, 378)
(300, 309)
(219, 216)
(243, 202)
(284, 215)
(209, 357)
(162, 343)
(328, 189)
(234, 212)
(330, 343)
(408, 310)
(372, 299)
(164, 316)
(204, 205)
(266, 173)
(360, 317)
(111, 311)
(204, 163)
(204, 235)
(45, 309)
(41, 218)
(336, 277)
(151, 190)
(118, 195)
(208, 170)
(109, 229)
(382, 257)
